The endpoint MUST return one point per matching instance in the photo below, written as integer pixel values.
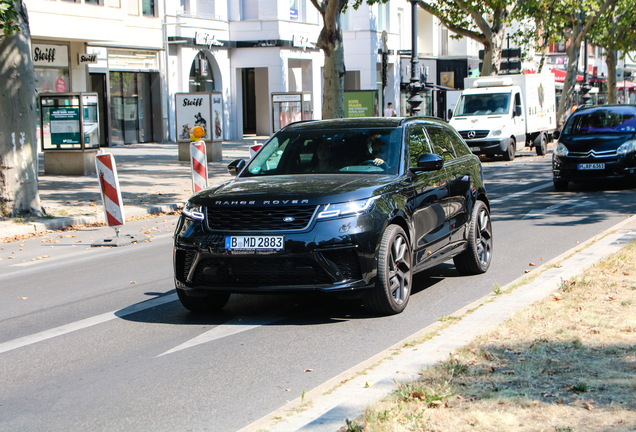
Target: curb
(347, 395)
(12, 229)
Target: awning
(559, 75)
(625, 84)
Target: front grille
(592, 154)
(478, 134)
(259, 218)
(259, 272)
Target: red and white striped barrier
(199, 165)
(109, 187)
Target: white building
(137, 54)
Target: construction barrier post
(109, 188)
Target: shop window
(130, 107)
(201, 76)
(148, 8)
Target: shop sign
(286, 98)
(50, 55)
(302, 42)
(83, 59)
(60, 85)
(193, 109)
(65, 126)
(207, 40)
(361, 104)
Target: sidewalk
(151, 178)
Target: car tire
(393, 287)
(478, 254)
(203, 301)
(560, 185)
(512, 149)
(541, 144)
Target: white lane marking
(518, 194)
(85, 323)
(553, 208)
(232, 327)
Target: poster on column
(193, 109)
(217, 116)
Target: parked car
(351, 207)
(597, 142)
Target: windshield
(609, 120)
(483, 104)
(337, 151)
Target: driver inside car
(377, 148)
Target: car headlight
(193, 212)
(628, 147)
(561, 150)
(347, 208)
(496, 132)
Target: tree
(483, 21)
(570, 21)
(615, 31)
(18, 151)
(331, 43)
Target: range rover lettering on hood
(268, 202)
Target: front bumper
(568, 169)
(333, 255)
(489, 147)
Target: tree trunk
(610, 61)
(18, 141)
(574, 51)
(492, 54)
(330, 41)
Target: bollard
(198, 158)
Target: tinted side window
(441, 143)
(461, 149)
(418, 144)
(518, 101)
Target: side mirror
(428, 162)
(450, 114)
(236, 166)
(518, 111)
(556, 135)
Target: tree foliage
(567, 21)
(615, 31)
(483, 21)
(8, 17)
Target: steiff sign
(193, 109)
(86, 59)
(50, 55)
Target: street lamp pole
(415, 100)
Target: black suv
(348, 207)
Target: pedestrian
(389, 111)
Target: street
(95, 338)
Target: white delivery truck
(499, 115)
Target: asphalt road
(95, 339)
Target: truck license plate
(254, 242)
(591, 166)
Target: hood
(294, 190)
(596, 142)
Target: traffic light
(584, 93)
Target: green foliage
(616, 29)
(8, 17)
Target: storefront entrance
(130, 107)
